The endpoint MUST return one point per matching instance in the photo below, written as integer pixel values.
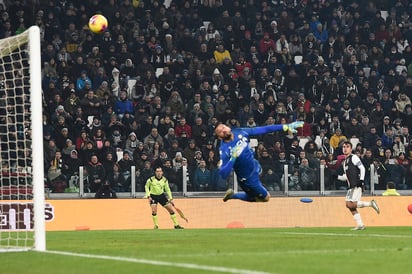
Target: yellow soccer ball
(98, 23)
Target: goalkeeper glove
(293, 126)
(235, 152)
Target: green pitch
(375, 250)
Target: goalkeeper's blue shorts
(253, 186)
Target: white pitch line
(298, 252)
(360, 234)
(160, 263)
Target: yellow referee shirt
(157, 186)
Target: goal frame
(37, 138)
(31, 37)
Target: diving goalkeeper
(236, 154)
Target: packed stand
(149, 91)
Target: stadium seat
(119, 155)
(354, 142)
(318, 141)
(303, 141)
(167, 3)
(298, 59)
(130, 87)
(158, 72)
(253, 142)
(384, 14)
(90, 120)
(206, 23)
(367, 71)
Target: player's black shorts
(159, 199)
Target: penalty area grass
(376, 250)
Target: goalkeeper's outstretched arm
(272, 128)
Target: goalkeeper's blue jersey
(245, 165)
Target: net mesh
(16, 221)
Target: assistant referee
(158, 192)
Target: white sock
(358, 219)
(363, 204)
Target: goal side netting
(22, 202)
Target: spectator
(266, 161)
(183, 130)
(390, 190)
(397, 128)
(402, 101)
(103, 88)
(106, 191)
(91, 104)
(175, 103)
(141, 156)
(96, 174)
(82, 80)
(155, 152)
(370, 137)
(406, 137)
(152, 138)
(72, 102)
(171, 174)
(174, 148)
(177, 161)
(199, 131)
(73, 164)
(165, 123)
(194, 113)
(62, 137)
(307, 175)
(131, 143)
(354, 130)
(221, 53)
(337, 138)
(125, 165)
(190, 151)
(398, 146)
(116, 180)
(388, 138)
(56, 173)
(202, 177)
(123, 104)
(68, 149)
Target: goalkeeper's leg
(254, 191)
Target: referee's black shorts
(159, 199)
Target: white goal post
(22, 199)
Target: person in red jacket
(183, 128)
(302, 101)
(266, 43)
(241, 64)
(306, 130)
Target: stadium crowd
(150, 90)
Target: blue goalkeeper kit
(238, 155)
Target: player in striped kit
(354, 175)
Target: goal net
(22, 205)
